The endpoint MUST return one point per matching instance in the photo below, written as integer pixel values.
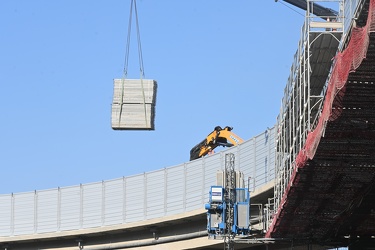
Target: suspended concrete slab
(133, 106)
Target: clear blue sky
(217, 62)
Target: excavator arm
(219, 137)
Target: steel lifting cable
(140, 58)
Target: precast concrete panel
(133, 116)
(134, 91)
(133, 105)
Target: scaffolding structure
(305, 90)
(230, 199)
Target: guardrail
(169, 191)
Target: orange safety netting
(344, 63)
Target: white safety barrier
(169, 191)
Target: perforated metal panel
(47, 210)
(114, 201)
(6, 217)
(92, 205)
(70, 208)
(194, 183)
(135, 198)
(176, 190)
(24, 213)
(155, 194)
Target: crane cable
(140, 58)
(290, 8)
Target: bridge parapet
(162, 193)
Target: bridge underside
(332, 198)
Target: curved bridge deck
(164, 199)
(330, 193)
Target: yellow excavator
(219, 137)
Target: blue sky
(217, 62)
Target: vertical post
(103, 203)
(80, 206)
(238, 161)
(255, 157)
(268, 157)
(308, 67)
(165, 190)
(203, 180)
(145, 196)
(184, 187)
(230, 198)
(58, 209)
(35, 211)
(12, 215)
(123, 199)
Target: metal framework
(330, 198)
(230, 198)
(305, 90)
